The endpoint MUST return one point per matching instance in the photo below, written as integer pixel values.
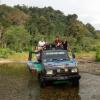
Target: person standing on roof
(41, 44)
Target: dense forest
(22, 27)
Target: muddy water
(16, 83)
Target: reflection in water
(59, 93)
(16, 83)
(34, 89)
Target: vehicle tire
(75, 82)
(42, 82)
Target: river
(17, 83)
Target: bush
(98, 55)
(5, 52)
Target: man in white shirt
(41, 44)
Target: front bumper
(58, 78)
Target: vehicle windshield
(55, 56)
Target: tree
(91, 29)
(72, 25)
(21, 25)
(18, 17)
(43, 25)
(17, 38)
(1, 35)
(97, 34)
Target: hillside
(22, 27)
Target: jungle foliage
(22, 27)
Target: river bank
(84, 65)
(6, 61)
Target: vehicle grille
(61, 72)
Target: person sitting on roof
(58, 42)
(65, 44)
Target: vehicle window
(55, 56)
(55, 53)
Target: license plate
(61, 78)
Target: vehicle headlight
(49, 72)
(66, 69)
(58, 70)
(74, 70)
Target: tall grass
(5, 52)
(19, 56)
(85, 55)
(97, 55)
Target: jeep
(56, 65)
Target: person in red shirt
(57, 41)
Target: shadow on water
(16, 83)
(59, 93)
(52, 92)
(33, 88)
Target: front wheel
(42, 82)
(75, 82)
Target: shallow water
(16, 83)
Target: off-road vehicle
(56, 65)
